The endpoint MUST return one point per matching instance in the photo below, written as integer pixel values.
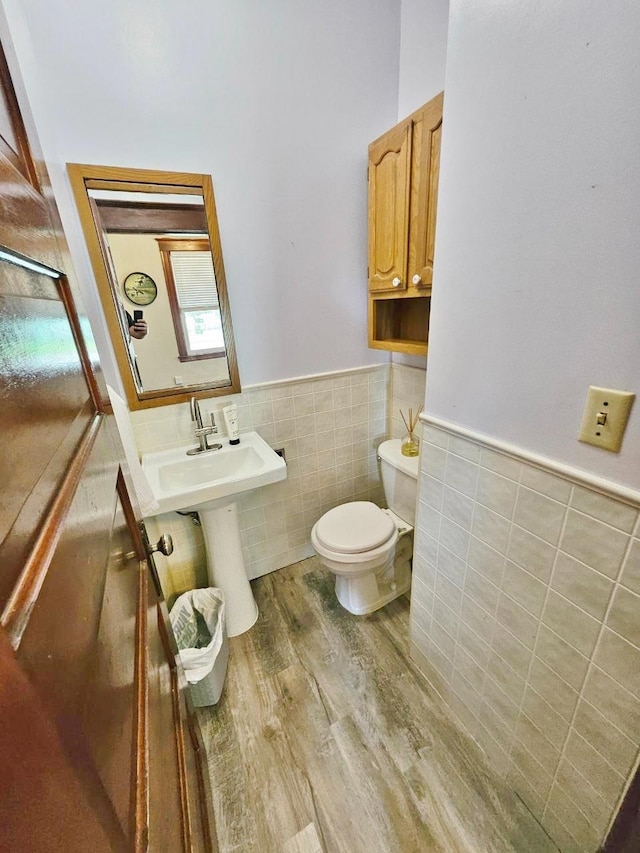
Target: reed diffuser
(410, 443)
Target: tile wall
(526, 618)
(330, 427)
(407, 386)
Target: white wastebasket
(198, 622)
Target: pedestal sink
(210, 484)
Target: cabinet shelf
(400, 325)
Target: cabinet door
(389, 166)
(425, 172)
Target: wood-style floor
(327, 738)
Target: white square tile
(278, 392)
(421, 594)
(456, 506)
(303, 404)
(631, 569)
(359, 394)
(465, 448)
(323, 401)
(524, 588)
(496, 493)
(491, 528)
(435, 436)
(500, 464)
(426, 545)
(531, 553)
(624, 615)
(522, 624)
(262, 413)
(585, 587)
(454, 537)
(618, 705)
(431, 492)
(571, 623)
(546, 483)
(283, 409)
(323, 384)
(606, 509)
(598, 545)
(305, 425)
(461, 474)
(448, 592)
(424, 571)
(324, 421)
(486, 560)
(539, 515)
(343, 381)
(619, 659)
(342, 435)
(451, 566)
(342, 397)
(430, 521)
(481, 590)
(434, 461)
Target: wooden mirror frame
(84, 178)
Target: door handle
(164, 545)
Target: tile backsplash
(407, 386)
(329, 426)
(526, 619)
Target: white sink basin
(210, 484)
(207, 480)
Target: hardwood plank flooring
(327, 739)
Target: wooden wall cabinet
(404, 167)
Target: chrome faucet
(202, 432)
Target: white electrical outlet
(177, 380)
(605, 417)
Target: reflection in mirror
(155, 249)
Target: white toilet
(369, 549)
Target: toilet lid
(354, 527)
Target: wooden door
(389, 174)
(425, 175)
(95, 745)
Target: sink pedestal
(225, 565)
(210, 484)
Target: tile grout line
(495, 620)
(588, 670)
(537, 637)
(464, 584)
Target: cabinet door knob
(417, 279)
(396, 282)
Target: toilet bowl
(367, 548)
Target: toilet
(367, 548)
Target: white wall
(423, 52)
(277, 101)
(536, 290)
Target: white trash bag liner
(198, 622)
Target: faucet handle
(214, 425)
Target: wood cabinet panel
(404, 170)
(389, 160)
(425, 176)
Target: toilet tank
(399, 479)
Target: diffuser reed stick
(410, 444)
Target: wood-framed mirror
(154, 245)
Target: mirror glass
(155, 249)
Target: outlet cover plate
(616, 405)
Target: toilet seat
(354, 528)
